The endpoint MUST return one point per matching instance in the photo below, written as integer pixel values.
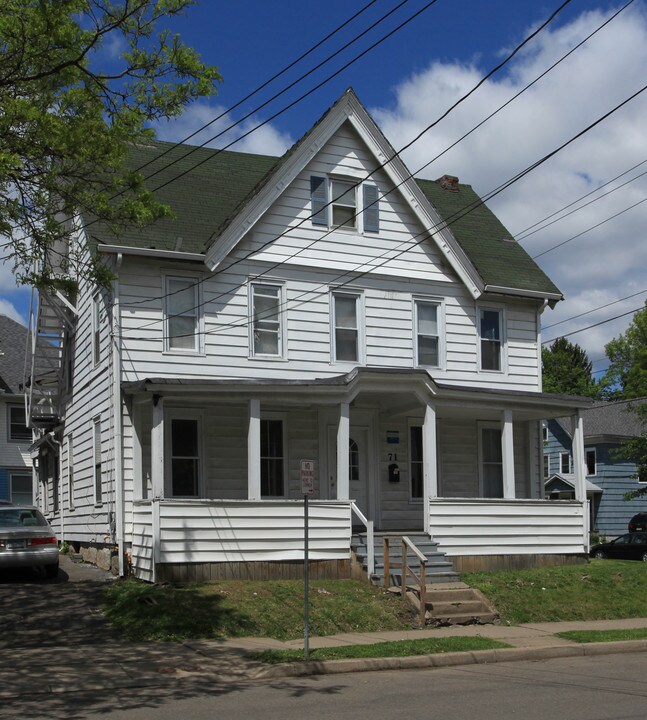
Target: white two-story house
(319, 310)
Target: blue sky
(415, 75)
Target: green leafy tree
(79, 81)
(567, 369)
(626, 379)
(626, 376)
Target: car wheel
(600, 554)
(51, 571)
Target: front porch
(216, 471)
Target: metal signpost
(307, 489)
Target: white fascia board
(150, 252)
(349, 108)
(500, 290)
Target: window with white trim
(564, 462)
(428, 327)
(416, 464)
(491, 338)
(590, 459)
(182, 311)
(334, 203)
(266, 331)
(70, 472)
(96, 329)
(18, 430)
(347, 334)
(491, 457)
(185, 436)
(272, 458)
(20, 488)
(546, 466)
(96, 461)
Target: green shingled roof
(205, 198)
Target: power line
(588, 327)
(601, 307)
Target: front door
(357, 466)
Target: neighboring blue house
(15, 437)
(606, 426)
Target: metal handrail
(370, 539)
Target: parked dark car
(27, 540)
(638, 523)
(632, 546)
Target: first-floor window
(20, 488)
(565, 462)
(427, 333)
(96, 329)
(70, 472)
(18, 429)
(590, 461)
(185, 457)
(98, 480)
(491, 462)
(416, 466)
(272, 458)
(346, 327)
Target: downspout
(117, 420)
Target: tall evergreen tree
(567, 369)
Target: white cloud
(242, 137)
(604, 264)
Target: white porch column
(507, 452)
(157, 447)
(343, 441)
(430, 465)
(578, 457)
(254, 451)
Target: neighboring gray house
(606, 426)
(15, 436)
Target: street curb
(474, 657)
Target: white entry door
(357, 466)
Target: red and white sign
(307, 477)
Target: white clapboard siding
(142, 541)
(495, 527)
(248, 531)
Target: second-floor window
(590, 461)
(346, 327)
(18, 430)
(491, 338)
(427, 321)
(266, 336)
(182, 314)
(564, 462)
(546, 466)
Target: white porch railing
(215, 531)
(370, 539)
(508, 527)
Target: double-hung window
(590, 461)
(21, 488)
(565, 462)
(491, 338)
(185, 456)
(427, 321)
(546, 466)
(335, 202)
(272, 458)
(18, 430)
(416, 465)
(491, 462)
(96, 329)
(70, 472)
(346, 327)
(182, 314)
(96, 446)
(266, 336)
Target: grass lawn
(602, 589)
(401, 648)
(239, 608)
(589, 636)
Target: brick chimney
(448, 182)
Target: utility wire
(588, 327)
(588, 312)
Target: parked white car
(27, 540)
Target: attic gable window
(334, 204)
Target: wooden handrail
(407, 545)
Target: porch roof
(380, 382)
